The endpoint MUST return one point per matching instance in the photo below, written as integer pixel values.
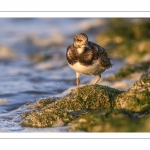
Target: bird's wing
(104, 59)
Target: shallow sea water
(23, 80)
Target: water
(33, 63)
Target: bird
(86, 57)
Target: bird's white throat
(80, 50)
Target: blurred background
(33, 63)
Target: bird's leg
(77, 79)
(97, 79)
(78, 82)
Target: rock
(129, 112)
(106, 120)
(76, 103)
(137, 98)
(146, 74)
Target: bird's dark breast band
(88, 57)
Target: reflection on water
(33, 64)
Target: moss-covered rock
(108, 120)
(136, 98)
(130, 112)
(76, 103)
(112, 120)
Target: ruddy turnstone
(86, 57)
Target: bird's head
(81, 41)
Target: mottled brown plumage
(104, 59)
(86, 57)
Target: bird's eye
(78, 40)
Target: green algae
(112, 120)
(43, 102)
(68, 108)
(107, 120)
(136, 98)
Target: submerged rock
(76, 103)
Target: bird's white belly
(94, 69)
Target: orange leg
(97, 79)
(77, 79)
(78, 82)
